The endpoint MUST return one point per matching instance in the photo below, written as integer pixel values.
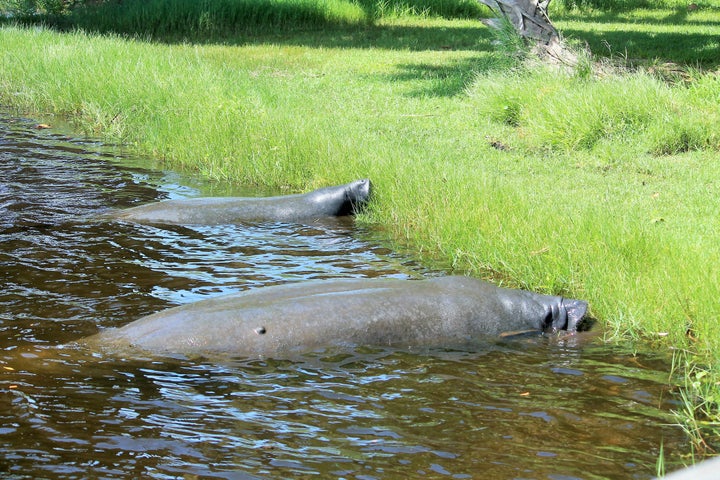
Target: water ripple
(525, 409)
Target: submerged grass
(600, 187)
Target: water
(534, 408)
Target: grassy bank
(600, 187)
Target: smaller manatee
(334, 201)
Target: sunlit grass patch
(555, 112)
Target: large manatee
(339, 200)
(705, 470)
(284, 320)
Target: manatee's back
(214, 210)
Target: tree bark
(531, 22)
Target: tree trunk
(531, 22)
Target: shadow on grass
(693, 49)
(390, 37)
(338, 23)
(670, 17)
(394, 37)
(449, 77)
(446, 80)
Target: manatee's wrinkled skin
(705, 470)
(285, 320)
(334, 201)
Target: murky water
(526, 409)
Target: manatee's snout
(358, 193)
(362, 189)
(576, 310)
(563, 314)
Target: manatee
(340, 200)
(285, 320)
(705, 470)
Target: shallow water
(533, 408)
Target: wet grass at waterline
(602, 188)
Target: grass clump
(551, 112)
(699, 407)
(383, 9)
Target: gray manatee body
(285, 320)
(338, 200)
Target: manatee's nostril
(260, 330)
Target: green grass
(194, 19)
(646, 37)
(203, 20)
(600, 187)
